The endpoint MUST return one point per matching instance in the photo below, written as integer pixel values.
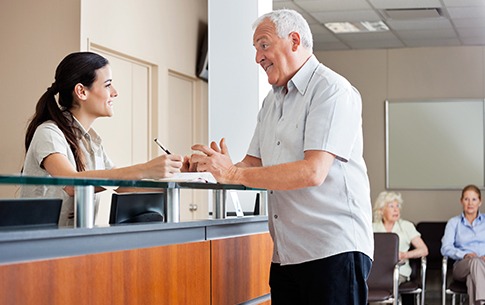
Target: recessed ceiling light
(356, 27)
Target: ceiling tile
(474, 41)
(325, 46)
(462, 23)
(338, 16)
(332, 5)
(451, 3)
(319, 29)
(432, 42)
(471, 32)
(427, 34)
(469, 23)
(441, 23)
(292, 6)
(369, 44)
(466, 12)
(371, 36)
(393, 4)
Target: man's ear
(295, 40)
(80, 91)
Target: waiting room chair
(417, 282)
(431, 233)
(383, 280)
(453, 287)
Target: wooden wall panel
(174, 274)
(240, 268)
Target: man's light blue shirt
(461, 237)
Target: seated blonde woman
(387, 218)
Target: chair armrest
(395, 286)
(424, 264)
(444, 269)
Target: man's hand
(216, 160)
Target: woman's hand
(163, 166)
(470, 255)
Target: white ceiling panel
(425, 24)
(332, 5)
(327, 46)
(393, 4)
(338, 16)
(372, 36)
(382, 44)
(451, 3)
(462, 23)
(474, 41)
(427, 34)
(471, 32)
(467, 12)
(432, 42)
(469, 23)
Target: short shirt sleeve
(334, 121)
(48, 139)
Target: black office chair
(27, 213)
(454, 288)
(417, 281)
(383, 280)
(137, 207)
(431, 233)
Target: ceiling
(411, 23)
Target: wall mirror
(434, 144)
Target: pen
(161, 146)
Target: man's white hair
(287, 21)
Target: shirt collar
(479, 218)
(85, 134)
(302, 77)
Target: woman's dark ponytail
(79, 67)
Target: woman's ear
(80, 91)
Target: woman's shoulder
(406, 223)
(378, 227)
(47, 131)
(48, 127)
(454, 220)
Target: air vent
(413, 13)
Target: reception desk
(214, 261)
(201, 262)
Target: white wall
(234, 78)
(236, 86)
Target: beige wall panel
(436, 73)
(34, 36)
(408, 74)
(117, 131)
(165, 33)
(183, 121)
(367, 71)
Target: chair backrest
(415, 264)
(137, 207)
(431, 233)
(29, 212)
(386, 256)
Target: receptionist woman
(60, 141)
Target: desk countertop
(27, 245)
